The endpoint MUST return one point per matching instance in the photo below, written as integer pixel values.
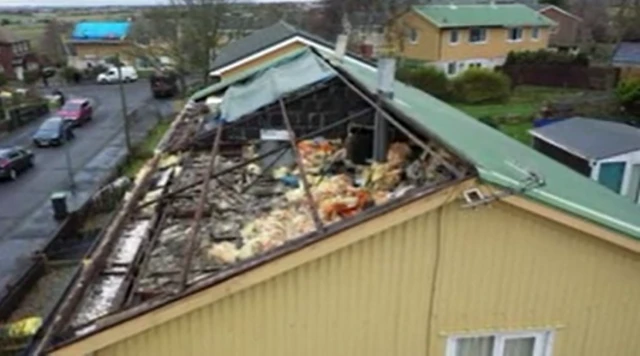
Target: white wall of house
(629, 182)
(453, 68)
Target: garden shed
(605, 151)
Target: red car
(78, 111)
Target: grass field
(28, 27)
(524, 104)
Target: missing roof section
(290, 170)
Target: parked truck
(164, 83)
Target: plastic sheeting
(272, 84)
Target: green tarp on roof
(254, 70)
(505, 161)
(500, 15)
(273, 83)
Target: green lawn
(524, 104)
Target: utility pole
(67, 154)
(123, 104)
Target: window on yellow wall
(501, 344)
(413, 36)
(514, 34)
(453, 36)
(477, 35)
(535, 33)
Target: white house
(606, 151)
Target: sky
(33, 3)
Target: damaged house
(293, 210)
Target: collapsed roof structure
(284, 156)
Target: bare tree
(51, 43)
(188, 32)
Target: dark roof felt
(591, 138)
(627, 53)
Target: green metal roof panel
(469, 15)
(504, 161)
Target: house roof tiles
(469, 15)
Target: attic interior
(236, 194)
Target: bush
(546, 57)
(3, 80)
(427, 78)
(479, 85)
(31, 76)
(69, 73)
(628, 95)
(628, 91)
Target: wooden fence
(21, 115)
(564, 76)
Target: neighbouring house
(264, 45)
(483, 246)
(626, 57)
(457, 37)
(566, 35)
(605, 151)
(16, 55)
(95, 41)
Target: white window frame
(486, 35)
(519, 39)
(457, 37)
(535, 30)
(543, 345)
(413, 39)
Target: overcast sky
(93, 2)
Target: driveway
(96, 146)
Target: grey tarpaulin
(272, 84)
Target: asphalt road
(34, 187)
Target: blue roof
(101, 30)
(627, 53)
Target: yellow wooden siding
(498, 268)
(427, 45)
(103, 50)
(496, 45)
(264, 58)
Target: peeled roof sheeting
(591, 138)
(240, 100)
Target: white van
(129, 74)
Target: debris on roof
(287, 172)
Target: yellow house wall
(102, 50)
(402, 291)
(495, 46)
(262, 59)
(427, 46)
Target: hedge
(428, 79)
(543, 56)
(479, 85)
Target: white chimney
(386, 76)
(341, 46)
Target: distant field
(32, 32)
(30, 29)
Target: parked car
(129, 74)
(14, 160)
(54, 131)
(77, 111)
